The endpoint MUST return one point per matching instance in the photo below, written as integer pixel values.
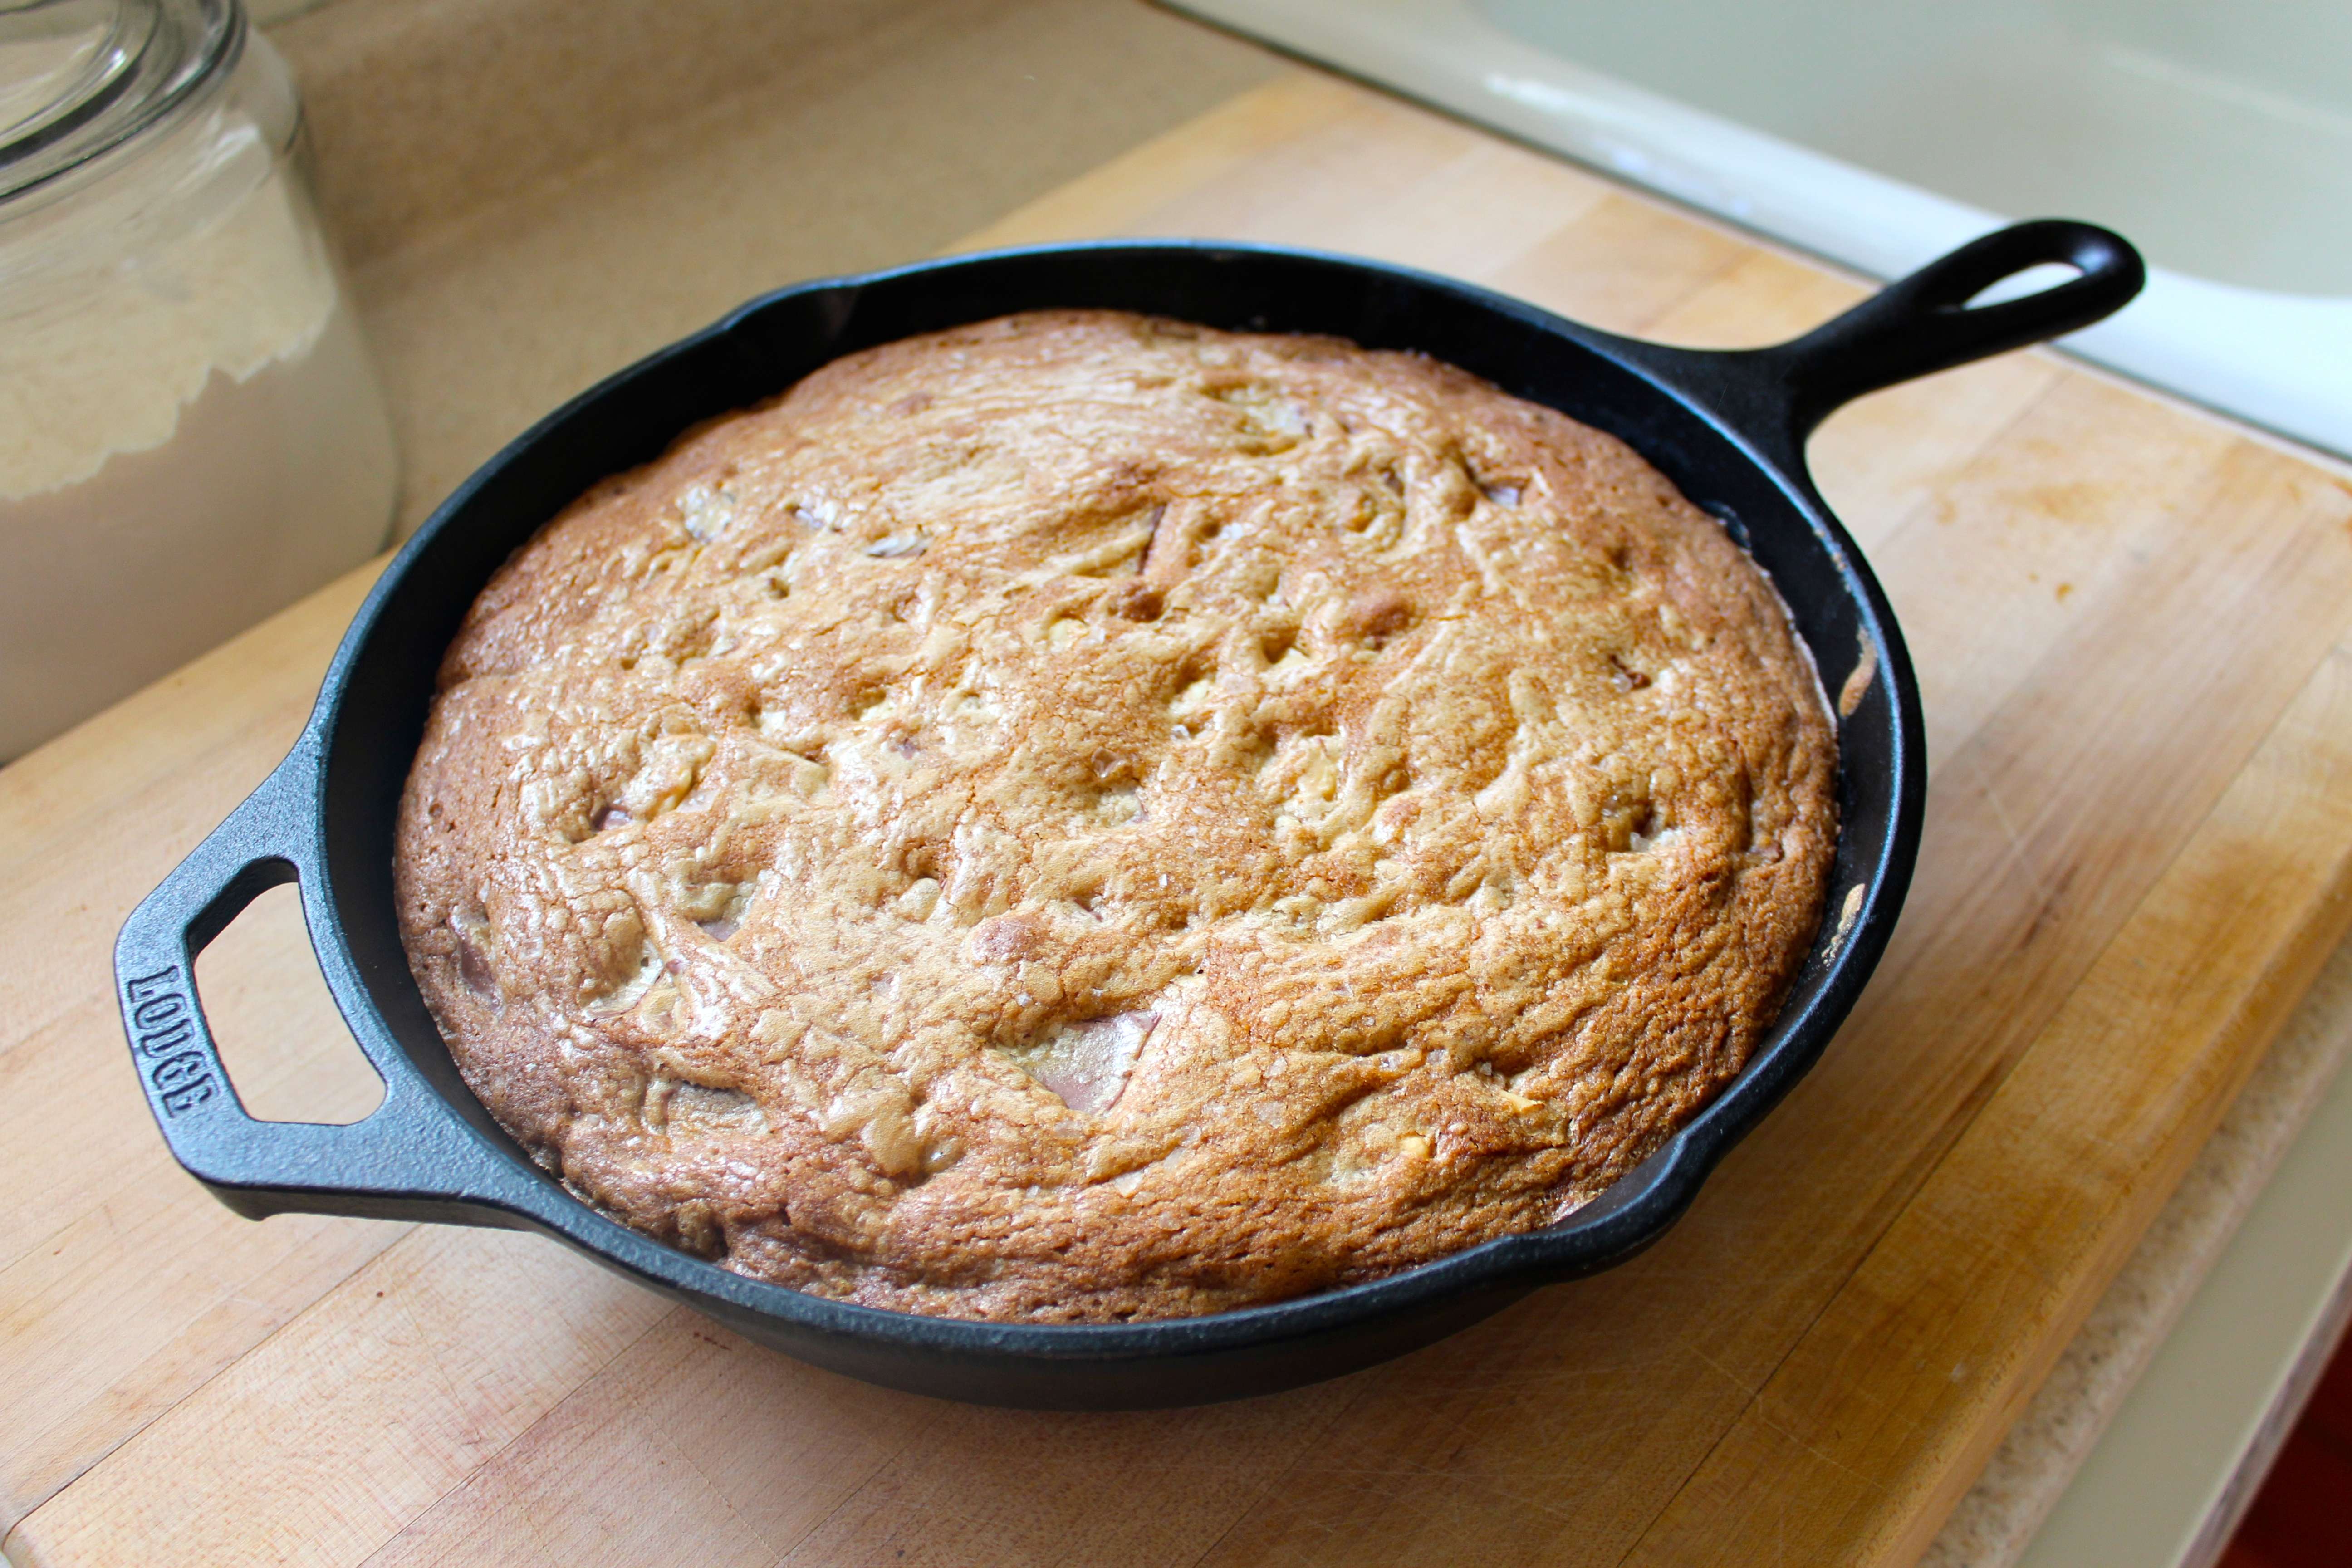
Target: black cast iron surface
(1727, 427)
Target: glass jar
(191, 433)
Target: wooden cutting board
(2130, 624)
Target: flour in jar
(189, 441)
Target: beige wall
(533, 193)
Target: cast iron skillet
(1727, 427)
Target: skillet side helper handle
(1923, 323)
(408, 1159)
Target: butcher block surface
(2130, 628)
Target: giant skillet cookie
(1085, 818)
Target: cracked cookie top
(1083, 817)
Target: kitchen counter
(499, 290)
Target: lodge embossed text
(162, 1015)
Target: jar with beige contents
(191, 433)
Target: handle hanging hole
(280, 1038)
(2036, 279)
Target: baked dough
(1084, 818)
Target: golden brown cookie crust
(1083, 817)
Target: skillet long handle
(1924, 322)
(1914, 327)
(408, 1159)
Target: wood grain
(2134, 631)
